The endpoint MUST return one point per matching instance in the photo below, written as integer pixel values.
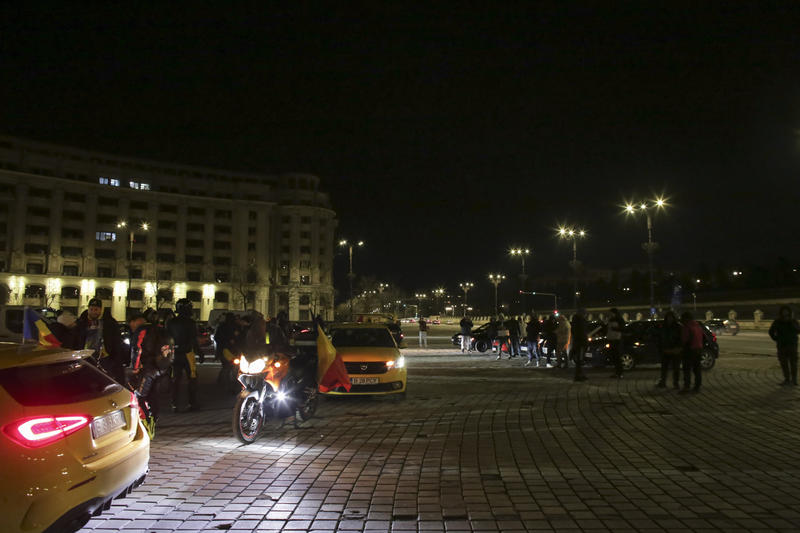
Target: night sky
(451, 132)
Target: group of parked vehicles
(640, 346)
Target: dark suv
(640, 346)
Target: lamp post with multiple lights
(466, 286)
(350, 275)
(650, 246)
(144, 226)
(522, 253)
(573, 235)
(496, 279)
(420, 296)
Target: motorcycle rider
(183, 331)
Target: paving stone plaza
(484, 445)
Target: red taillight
(714, 336)
(44, 430)
(135, 406)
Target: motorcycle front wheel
(247, 418)
(309, 406)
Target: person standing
(502, 337)
(99, 332)
(149, 359)
(423, 332)
(784, 332)
(580, 342)
(183, 331)
(550, 340)
(692, 340)
(512, 324)
(669, 344)
(563, 334)
(466, 334)
(532, 331)
(614, 328)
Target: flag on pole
(35, 328)
(331, 372)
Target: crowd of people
(555, 341)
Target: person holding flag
(99, 332)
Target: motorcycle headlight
(243, 365)
(257, 366)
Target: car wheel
(482, 345)
(707, 360)
(628, 362)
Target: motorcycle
(274, 388)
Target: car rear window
(57, 383)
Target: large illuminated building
(76, 224)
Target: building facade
(76, 224)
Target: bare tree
(245, 283)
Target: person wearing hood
(784, 332)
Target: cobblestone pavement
(480, 445)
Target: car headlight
(399, 363)
(126, 341)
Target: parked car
(640, 346)
(480, 340)
(72, 439)
(722, 327)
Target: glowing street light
(123, 224)
(573, 235)
(350, 274)
(650, 246)
(496, 279)
(466, 286)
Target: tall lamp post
(439, 294)
(573, 235)
(420, 296)
(496, 279)
(123, 224)
(350, 275)
(466, 286)
(523, 277)
(650, 246)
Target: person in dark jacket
(150, 360)
(512, 325)
(99, 332)
(183, 331)
(466, 334)
(532, 331)
(784, 332)
(614, 328)
(550, 340)
(692, 340)
(502, 336)
(669, 346)
(580, 342)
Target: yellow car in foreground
(71, 440)
(371, 357)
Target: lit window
(103, 181)
(113, 182)
(134, 185)
(145, 186)
(105, 236)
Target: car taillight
(44, 430)
(714, 336)
(135, 407)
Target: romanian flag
(331, 372)
(35, 328)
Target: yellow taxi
(71, 439)
(371, 357)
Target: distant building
(223, 239)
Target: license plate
(107, 423)
(364, 381)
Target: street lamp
(522, 253)
(496, 279)
(350, 275)
(573, 235)
(122, 224)
(466, 286)
(650, 246)
(420, 296)
(439, 294)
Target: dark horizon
(436, 131)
